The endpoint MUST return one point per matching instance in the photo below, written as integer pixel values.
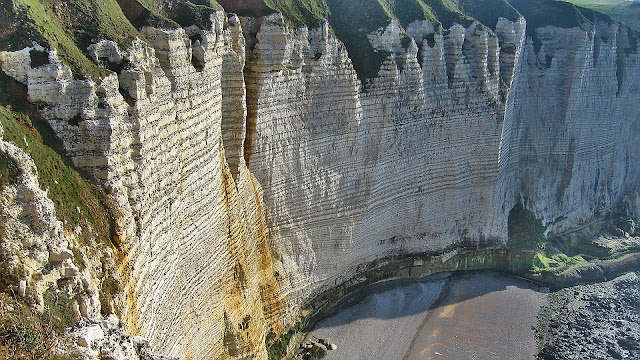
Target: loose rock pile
(315, 349)
(598, 321)
(106, 340)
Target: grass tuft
(9, 171)
(24, 333)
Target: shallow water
(481, 315)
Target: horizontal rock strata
(252, 168)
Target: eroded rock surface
(252, 169)
(598, 321)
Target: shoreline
(367, 323)
(412, 268)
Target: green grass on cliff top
(445, 12)
(301, 12)
(70, 26)
(627, 12)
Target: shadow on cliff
(408, 297)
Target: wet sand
(481, 315)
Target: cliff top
(71, 25)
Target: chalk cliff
(252, 167)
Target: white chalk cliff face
(409, 164)
(252, 169)
(571, 120)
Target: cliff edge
(246, 162)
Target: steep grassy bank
(87, 220)
(625, 11)
(72, 25)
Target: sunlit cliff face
(252, 168)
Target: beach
(473, 315)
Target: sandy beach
(480, 315)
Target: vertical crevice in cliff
(250, 29)
(252, 115)
(234, 111)
(620, 61)
(597, 42)
(567, 173)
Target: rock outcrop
(600, 320)
(35, 250)
(252, 169)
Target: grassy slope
(541, 13)
(488, 11)
(352, 21)
(627, 12)
(301, 12)
(71, 26)
(77, 202)
(24, 333)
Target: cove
(462, 315)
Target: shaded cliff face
(254, 165)
(573, 156)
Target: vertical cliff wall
(253, 168)
(164, 136)
(571, 119)
(408, 163)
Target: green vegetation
(625, 11)
(541, 13)
(487, 12)
(277, 348)
(24, 333)
(556, 263)
(408, 11)
(352, 21)
(9, 171)
(71, 26)
(449, 12)
(301, 12)
(163, 14)
(527, 232)
(77, 202)
(60, 311)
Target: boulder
(86, 336)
